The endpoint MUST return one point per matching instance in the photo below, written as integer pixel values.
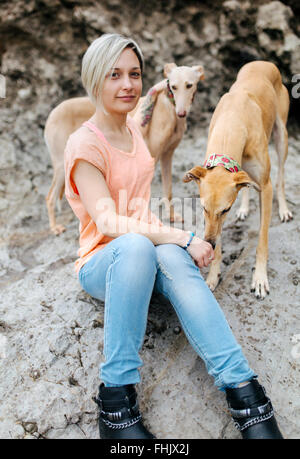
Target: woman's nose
(126, 83)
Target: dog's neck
(227, 136)
(222, 160)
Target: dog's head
(218, 190)
(183, 84)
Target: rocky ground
(51, 331)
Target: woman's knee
(138, 246)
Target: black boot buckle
(245, 418)
(251, 412)
(112, 419)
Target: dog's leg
(55, 192)
(166, 175)
(260, 282)
(281, 143)
(243, 211)
(214, 274)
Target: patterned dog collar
(170, 95)
(222, 160)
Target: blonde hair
(100, 58)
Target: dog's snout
(182, 114)
(212, 243)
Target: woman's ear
(197, 173)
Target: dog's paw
(242, 213)
(285, 215)
(260, 285)
(58, 229)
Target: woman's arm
(99, 204)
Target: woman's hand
(201, 251)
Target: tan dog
(239, 132)
(161, 116)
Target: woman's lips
(126, 98)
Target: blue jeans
(124, 274)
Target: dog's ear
(242, 179)
(199, 71)
(197, 173)
(168, 68)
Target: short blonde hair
(100, 57)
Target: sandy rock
(275, 34)
(274, 16)
(51, 331)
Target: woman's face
(122, 86)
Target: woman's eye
(114, 75)
(136, 74)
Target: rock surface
(51, 332)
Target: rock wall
(42, 43)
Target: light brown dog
(161, 116)
(239, 132)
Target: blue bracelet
(190, 240)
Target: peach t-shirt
(127, 175)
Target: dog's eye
(225, 210)
(174, 88)
(189, 85)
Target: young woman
(126, 252)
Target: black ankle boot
(252, 412)
(119, 415)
